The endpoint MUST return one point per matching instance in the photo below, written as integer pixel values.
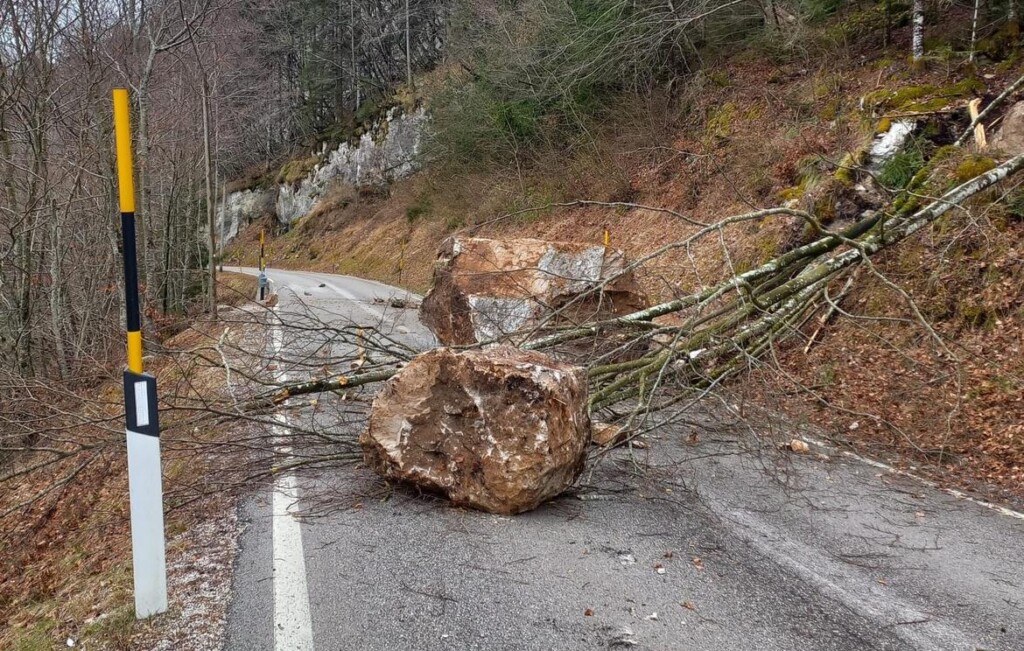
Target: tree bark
(974, 30)
(147, 273)
(56, 285)
(408, 49)
(210, 218)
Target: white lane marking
(293, 628)
(843, 584)
(277, 340)
(293, 624)
(1002, 510)
(349, 296)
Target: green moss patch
(971, 167)
(921, 99)
(295, 170)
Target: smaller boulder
(607, 435)
(1010, 137)
(501, 430)
(486, 290)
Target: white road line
(372, 311)
(1002, 510)
(321, 278)
(293, 625)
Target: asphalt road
(717, 545)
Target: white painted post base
(145, 490)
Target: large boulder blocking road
(501, 430)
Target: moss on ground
(719, 123)
(971, 167)
(922, 99)
(294, 171)
(846, 173)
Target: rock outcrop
(1010, 137)
(486, 289)
(242, 208)
(501, 430)
(386, 152)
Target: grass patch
(115, 630)
(37, 637)
(899, 171)
(420, 208)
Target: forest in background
(217, 88)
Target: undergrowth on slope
(901, 168)
(542, 74)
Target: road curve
(720, 545)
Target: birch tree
(917, 20)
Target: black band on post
(131, 273)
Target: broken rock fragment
(607, 435)
(501, 430)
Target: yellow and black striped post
(126, 189)
(142, 428)
(263, 259)
(263, 266)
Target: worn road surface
(719, 545)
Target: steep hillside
(922, 359)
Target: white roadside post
(145, 486)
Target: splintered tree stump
(500, 430)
